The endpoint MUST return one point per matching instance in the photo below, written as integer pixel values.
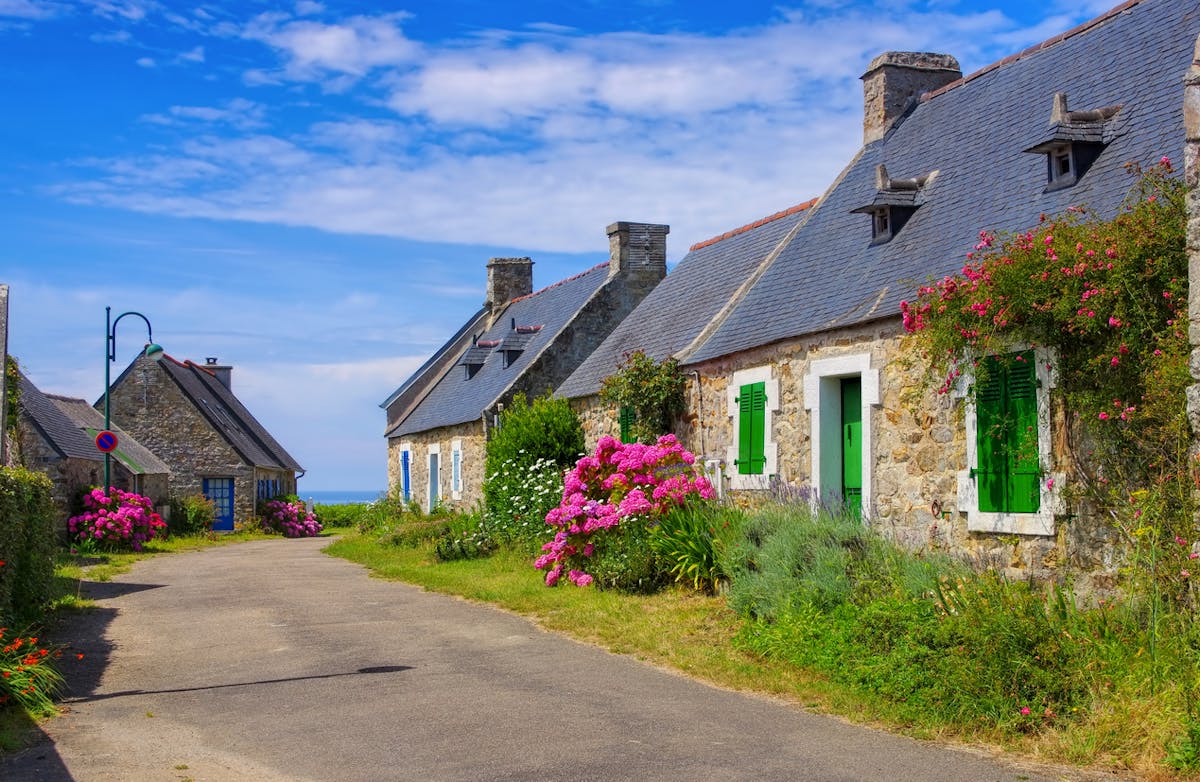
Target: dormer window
(894, 203)
(882, 224)
(515, 342)
(1076, 139)
(476, 355)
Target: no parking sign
(106, 441)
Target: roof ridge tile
(756, 224)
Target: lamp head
(154, 351)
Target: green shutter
(990, 466)
(1024, 473)
(752, 430)
(1008, 473)
(626, 416)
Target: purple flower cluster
(120, 518)
(291, 519)
(617, 482)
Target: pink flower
(1103, 416)
(1025, 711)
(1050, 484)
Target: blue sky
(310, 191)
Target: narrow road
(271, 661)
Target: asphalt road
(270, 661)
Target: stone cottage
(799, 374)
(57, 436)
(520, 341)
(187, 414)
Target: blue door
(220, 491)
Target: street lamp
(153, 351)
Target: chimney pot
(508, 278)
(638, 249)
(893, 79)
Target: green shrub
(27, 542)
(384, 514)
(627, 561)
(652, 390)
(191, 515)
(464, 538)
(415, 532)
(342, 516)
(526, 457)
(688, 542)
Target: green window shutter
(626, 416)
(990, 467)
(752, 430)
(852, 445)
(1008, 473)
(1024, 471)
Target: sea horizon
(340, 496)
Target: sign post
(106, 442)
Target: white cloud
(314, 50)
(29, 9)
(146, 62)
(238, 113)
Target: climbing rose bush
(291, 519)
(119, 519)
(616, 485)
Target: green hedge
(26, 544)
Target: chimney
(223, 372)
(638, 248)
(893, 79)
(508, 278)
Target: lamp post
(153, 351)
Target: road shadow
(85, 653)
(104, 590)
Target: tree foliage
(652, 389)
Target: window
(881, 225)
(752, 399)
(1009, 485)
(626, 417)
(752, 418)
(456, 480)
(1007, 471)
(1061, 166)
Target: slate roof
(413, 390)
(135, 456)
(55, 427)
(455, 399)
(688, 299)
(227, 415)
(972, 133)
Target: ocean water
(338, 497)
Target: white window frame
(1054, 155)
(1050, 501)
(456, 469)
(823, 400)
(737, 481)
(435, 477)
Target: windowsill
(740, 482)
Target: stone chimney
(224, 372)
(638, 249)
(893, 79)
(508, 278)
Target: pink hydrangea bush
(617, 484)
(291, 519)
(120, 518)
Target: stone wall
(1191, 159)
(474, 453)
(918, 448)
(147, 404)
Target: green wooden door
(852, 445)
